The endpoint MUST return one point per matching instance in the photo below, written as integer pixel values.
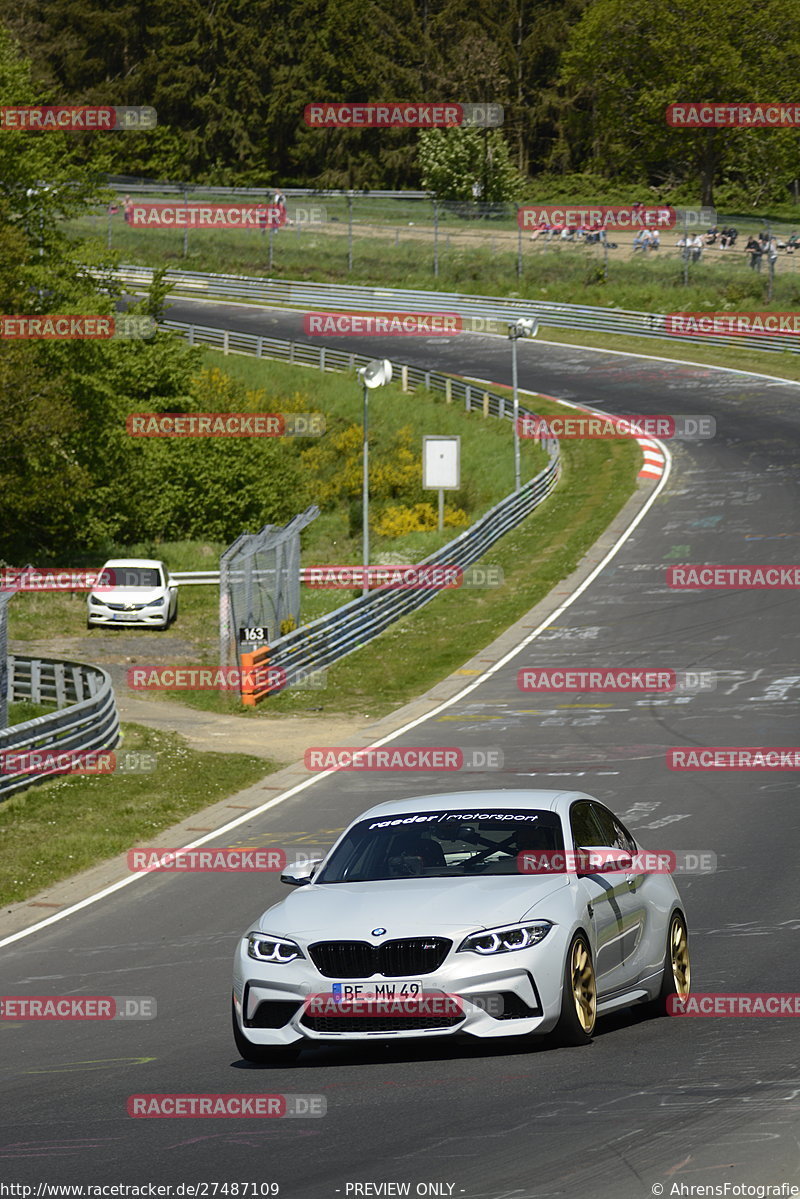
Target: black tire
(670, 985)
(572, 1029)
(175, 613)
(263, 1055)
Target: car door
(605, 895)
(630, 890)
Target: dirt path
(281, 738)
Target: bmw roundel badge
(378, 932)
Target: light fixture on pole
(526, 326)
(375, 374)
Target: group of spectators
(588, 234)
(726, 237)
(691, 245)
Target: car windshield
(440, 845)
(123, 577)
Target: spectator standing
(756, 249)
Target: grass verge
(67, 825)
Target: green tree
(453, 161)
(624, 65)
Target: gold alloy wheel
(584, 991)
(679, 956)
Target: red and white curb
(654, 453)
(654, 458)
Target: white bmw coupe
(485, 913)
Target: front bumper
(145, 616)
(510, 995)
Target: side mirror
(603, 859)
(300, 874)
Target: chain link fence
(259, 584)
(410, 231)
(4, 598)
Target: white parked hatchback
(133, 591)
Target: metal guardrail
(350, 627)
(86, 719)
(189, 578)
(179, 189)
(342, 297)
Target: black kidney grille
(392, 959)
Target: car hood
(131, 595)
(407, 907)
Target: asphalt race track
(650, 1105)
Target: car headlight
(266, 948)
(505, 940)
(94, 600)
(156, 603)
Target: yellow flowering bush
(397, 520)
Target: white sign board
(441, 463)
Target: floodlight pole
(514, 335)
(365, 492)
(524, 327)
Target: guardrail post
(404, 378)
(467, 398)
(225, 341)
(485, 404)
(322, 358)
(291, 351)
(448, 390)
(260, 348)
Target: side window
(612, 831)
(584, 827)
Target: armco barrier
(86, 719)
(352, 626)
(336, 297)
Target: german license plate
(396, 989)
